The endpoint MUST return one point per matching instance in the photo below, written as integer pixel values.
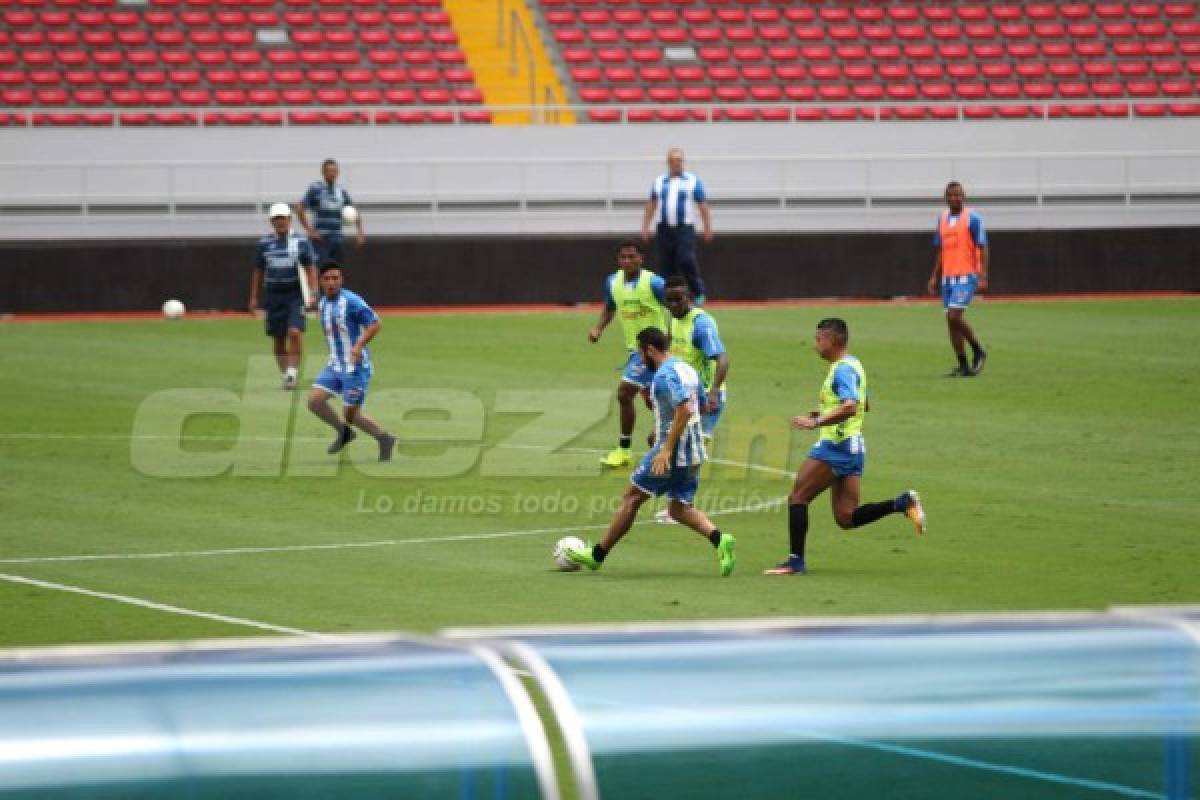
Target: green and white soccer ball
(560, 552)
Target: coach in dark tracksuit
(675, 198)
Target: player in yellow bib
(638, 298)
(696, 341)
(836, 460)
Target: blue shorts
(679, 484)
(845, 458)
(283, 313)
(636, 372)
(352, 386)
(958, 292)
(709, 420)
(329, 247)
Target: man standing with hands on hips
(676, 197)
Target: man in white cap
(285, 270)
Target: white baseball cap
(279, 210)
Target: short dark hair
(837, 326)
(327, 265)
(678, 282)
(328, 161)
(953, 184)
(629, 243)
(652, 337)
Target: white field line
(229, 551)
(163, 607)
(298, 548)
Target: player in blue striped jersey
(348, 324)
(672, 466)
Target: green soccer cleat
(582, 556)
(725, 554)
(619, 457)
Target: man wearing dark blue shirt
(327, 200)
(280, 258)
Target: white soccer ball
(349, 214)
(173, 309)
(560, 552)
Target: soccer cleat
(959, 372)
(663, 517)
(914, 511)
(725, 554)
(977, 362)
(793, 566)
(387, 443)
(619, 457)
(583, 556)
(344, 438)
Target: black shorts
(284, 313)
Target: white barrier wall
(147, 183)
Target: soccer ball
(349, 214)
(560, 552)
(173, 309)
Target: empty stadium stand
(339, 62)
(186, 62)
(678, 60)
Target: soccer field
(1063, 477)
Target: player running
(837, 459)
(696, 341)
(280, 257)
(961, 265)
(672, 466)
(639, 296)
(349, 325)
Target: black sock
(715, 537)
(868, 513)
(626, 442)
(798, 528)
(962, 360)
(976, 349)
(598, 553)
(346, 432)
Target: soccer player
(326, 199)
(349, 325)
(836, 461)
(696, 342)
(961, 265)
(639, 296)
(672, 466)
(276, 269)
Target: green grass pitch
(1064, 477)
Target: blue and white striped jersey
(277, 257)
(343, 319)
(677, 196)
(676, 383)
(327, 201)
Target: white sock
(290, 372)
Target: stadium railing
(763, 192)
